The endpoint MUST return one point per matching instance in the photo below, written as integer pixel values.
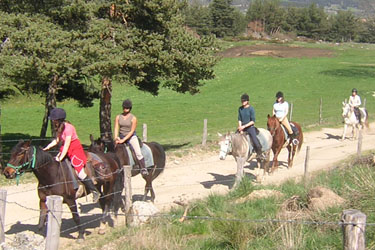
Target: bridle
(273, 130)
(30, 164)
(228, 144)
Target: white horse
(351, 120)
(238, 145)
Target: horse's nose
(8, 175)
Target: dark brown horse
(121, 152)
(280, 141)
(55, 178)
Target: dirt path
(185, 180)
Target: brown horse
(280, 141)
(55, 178)
(121, 152)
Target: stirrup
(295, 142)
(95, 196)
(144, 171)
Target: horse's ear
(91, 139)
(268, 116)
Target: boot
(142, 166)
(89, 185)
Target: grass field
(287, 221)
(176, 120)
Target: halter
(30, 163)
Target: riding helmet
(279, 94)
(127, 104)
(245, 97)
(354, 90)
(57, 114)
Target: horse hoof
(80, 240)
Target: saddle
(294, 129)
(146, 152)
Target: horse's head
(225, 143)
(20, 160)
(96, 145)
(272, 124)
(345, 109)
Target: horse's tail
(160, 159)
(300, 142)
(366, 120)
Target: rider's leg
(89, 185)
(252, 132)
(292, 135)
(137, 150)
(286, 124)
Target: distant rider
(354, 103)
(246, 122)
(280, 110)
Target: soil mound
(282, 51)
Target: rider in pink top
(71, 147)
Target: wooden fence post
(144, 132)
(204, 139)
(54, 204)
(320, 110)
(359, 147)
(128, 193)
(353, 229)
(291, 112)
(1, 146)
(3, 200)
(307, 160)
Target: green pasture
(284, 221)
(176, 120)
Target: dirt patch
(321, 198)
(282, 51)
(260, 194)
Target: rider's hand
(57, 158)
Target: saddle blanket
(294, 129)
(147, 154)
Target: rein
(30, 163)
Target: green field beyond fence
(176, 120)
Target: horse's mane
(42, 156)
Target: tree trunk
(105, 109)
(49, 105)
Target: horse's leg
(291, 153)
(73, 209)
(343, 134)
(260, 164)
(239, 174)
(275, 162)
(266, 162)
(107, 200)
(43, 214)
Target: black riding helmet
(57, 114)
(279, 94)
(354, 90)
(127, 104)
(245, 97)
